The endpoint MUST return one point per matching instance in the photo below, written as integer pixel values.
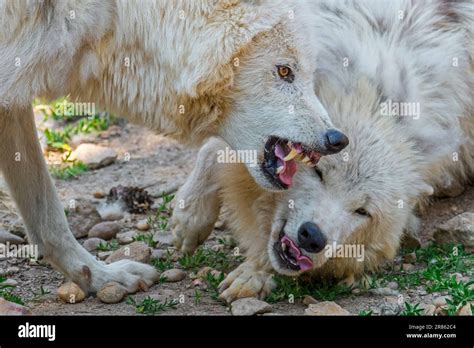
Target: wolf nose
(335, 141)
(310, 238)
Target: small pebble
(440, 301)
(112, 216)
(102, 255)
(136, 251)
(198, 283)
(407, 267)
(163, 238)
(203, 272)
(10, 308)
(105, 230)
(429, 309)
(126, 237)
(326, 308)
(392, 285)
(142, 225)
(98, 195)
(112, 293)
(218, 247)
(250, 306)
(465, 310)
(384, 292)
(173, 275)
(92, 244)
(9, 282)
(71, 293)
(7, 237)
(307, 300)
(459, 277)
(159, 254)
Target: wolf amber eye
(362, 212)
(285, 73)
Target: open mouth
(290, 256)
(279, 163)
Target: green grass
(440, 262)
(461, 293)
(5, 292)
(68, 170)
(38, 295)
(197, 297)
(162, 265)
(213, 282)
(412, 310)
(297, 288)
(59, 139)
(159, 222)
(203, 256)
(108, 246)
(366, 313)
(151, 306)
(437, 276)
(146, 238)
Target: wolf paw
(245, 281)
(189, 231)
(132, 275)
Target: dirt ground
(160, 164)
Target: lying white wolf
(190, 69)
(347, 215)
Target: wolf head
(273, 111)
(362, 197)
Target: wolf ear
(229, 29)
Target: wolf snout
(335, 141)
(311, 238)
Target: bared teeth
(293, 153)
(283, 246)
(307, 157)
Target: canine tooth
(297, 147)
(280, 169)
(283, 246)
(293, 153)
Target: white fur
(170, 65)
(392, 163)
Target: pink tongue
(304, 262)
(289, 167)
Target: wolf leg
(247, 280)
(31, 187)
(197, 202)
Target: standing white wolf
(398, 78)
(190, 69)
